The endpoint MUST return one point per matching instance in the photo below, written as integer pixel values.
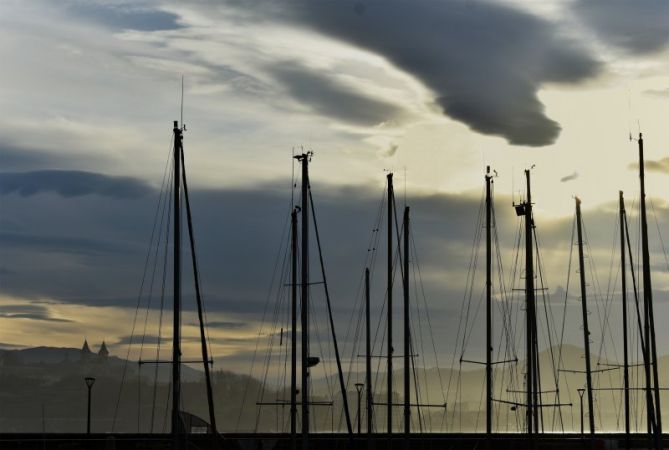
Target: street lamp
(89, 383)
(358, 387)
(581, 391)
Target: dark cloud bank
(484, 62)
(71, 183)
(91, 248)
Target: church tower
(103, 352)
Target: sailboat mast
(529, 308)
(304, 158)
(176, 326)
(648, 295)
(293, 330)
(623, 271)
(407, 333)
(368, 357)
(389, 375)
(488, 284)
(584, 308)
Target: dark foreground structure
(269, 441)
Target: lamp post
(581, 391)
(358, 388)
(89, 384)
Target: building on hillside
(103, 352)
(86, 351)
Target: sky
(431, 90)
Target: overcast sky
(432, 90)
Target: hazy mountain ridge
(51, 380)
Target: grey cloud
(30, 311)
(329, 97)
(125, 15)
(392, 149)
(660, 165)
(57, 244)
(484, 62)
(569, 177)
(71, 183)
(658, 92)
(225, 324)
(20, 158)
(238, 234)
(34, 317)
(635, 26)
(13, 157)
(149, 339)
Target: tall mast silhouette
(623, 280)
(488, 288)
(524, 209)
(293, 330)
(304, 159)
(648, 296)
(176, 326)
(389, 375)
(368, 359)
(407, 333)
(584, 309)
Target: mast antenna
(183, 125)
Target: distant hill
(60, 357)
(128, 400)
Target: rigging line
(550, 325)
(268, 359)
(566, 297)
(162, 204)
(206, 355)
(379, 326)
(162, 306)
(649, 399)
(612, 282)
(268, 297)
(507, 338)
(427, 315)
(605, 326)
(463, 302)
(139, 296)
(466, 303)
(281, 297)
(596, 284)
(412, 335)
(471, 276)
(416, 386)
(606, 320)
(506, 306)
(369, 260)
(659, 233)
(332, 327)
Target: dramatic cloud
(330, 98)
(484, 62)
(71, 183)
(635, 26)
